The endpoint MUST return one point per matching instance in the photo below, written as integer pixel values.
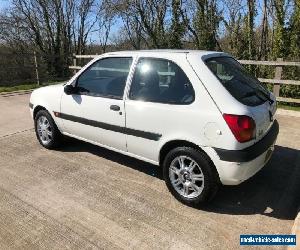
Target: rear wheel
(190, 175)
(46, 130)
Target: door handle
(115, 107)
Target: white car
(198, 114)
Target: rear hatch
(264, 117)
(247, 90)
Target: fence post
(278, 73)
(36, 69)
(74, 62)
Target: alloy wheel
(186, 176)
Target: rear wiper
(265, 95)
(248, 94)
(254, 93)
(262, 92)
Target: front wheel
(46, 130)
(190, 175)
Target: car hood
(51, 88)
(47, 94)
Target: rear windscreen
(240, 84)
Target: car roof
(166, 51)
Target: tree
(295, 32)
(152, 16)
(294, 51)
(279, 36)
(234, 39)
(132, 29)
(250, 28)
(264, 33)
(203, 23)
(87, 20)
(106, 20)
(144, 20)
(177, 28)
(54, 27)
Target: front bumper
(236, 166)
(31, 109)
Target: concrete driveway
(85, 197)
(14, 115)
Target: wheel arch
(42, 107)
(37, 109)
(168, 146)
(184, 143)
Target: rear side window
(162, 81)
(106, 77)
(239, 83)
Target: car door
(96, 111)
(160, 104)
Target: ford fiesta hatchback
(197, 114)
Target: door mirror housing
(70, 89)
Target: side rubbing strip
(142, 134)
(106, 126)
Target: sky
(4, 4)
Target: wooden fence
(276, 81)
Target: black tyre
(46, 130)
(190, 175)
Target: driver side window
(106, 78)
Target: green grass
(288, 107)
(18, 87)
(24, 87)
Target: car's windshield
(241, 85)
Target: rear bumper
(234, 173)
(236, 166)
(250, 153)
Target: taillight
(242, 126)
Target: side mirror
(70, 89)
